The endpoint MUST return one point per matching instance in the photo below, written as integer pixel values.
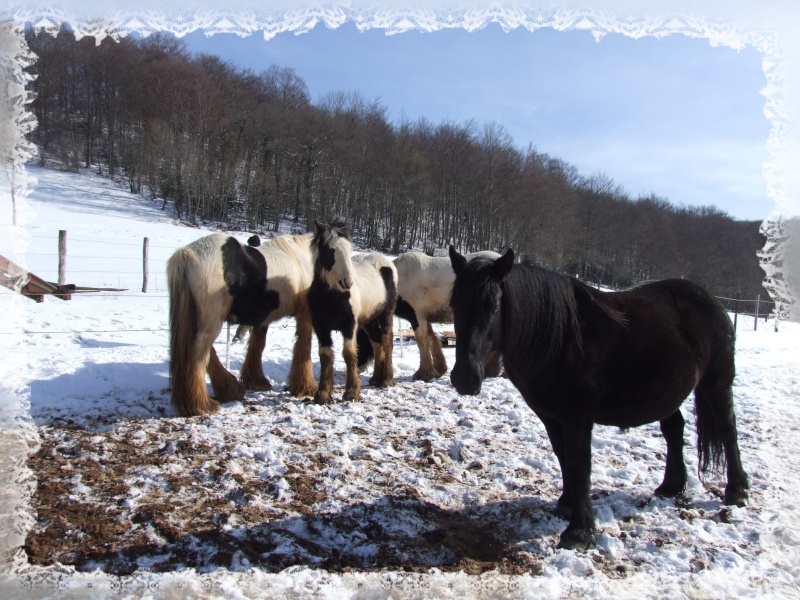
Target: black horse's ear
(456, 260)
(318, 228)
(503, 265)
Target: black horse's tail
(710, 450)
(717, 438)
(715, 418)
(366, 354)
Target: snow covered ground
(416, 492)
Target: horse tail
(183, 326)
(710, 451)
(366, 354)
(713, 396)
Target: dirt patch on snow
(411, 480)
(155, 495)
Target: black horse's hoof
(577, 539)
(670, 490)
(735, 496)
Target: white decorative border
(768, 26)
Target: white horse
(423, 297)
(348, 293)
(216, 279)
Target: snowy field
(416, 492)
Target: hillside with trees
(220, 143)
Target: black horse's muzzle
(466, 379)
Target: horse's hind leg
(226, 388)
(189, 394)
(301, 373)
(352, 385)
(379, 367)
(252, 372)
(437, 356)
(426, 370)
(716, 426)
(382, 335)
(675, 472)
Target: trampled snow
(414, 462)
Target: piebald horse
(580, 356)
(423, 297)
(347, 293)
(216, 279)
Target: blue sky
(672, 116)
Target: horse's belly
(639, 406)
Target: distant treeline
(251, 149)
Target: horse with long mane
(348, 293)
(580, 356)
(216, 279)
(423, 297)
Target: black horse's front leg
(581, 531)
(675, 472)
(555, 432)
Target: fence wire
(755, 308)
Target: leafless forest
(251, 149)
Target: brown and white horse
(348, 293)
(423, 290)
(217, 279)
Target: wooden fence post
(755, 321)
(144, 264)
(736, 311)
(62, 256)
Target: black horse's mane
(540, 309)
(540, 312)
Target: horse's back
(697, 315)
(201, 263)
(376, 281)
(687, 304)
(674, 334)
(425, 282)
(290, 271)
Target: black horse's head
(475, 302)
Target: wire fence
(155, 264)
(130, 264)
(756, 309)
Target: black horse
(580, 356)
